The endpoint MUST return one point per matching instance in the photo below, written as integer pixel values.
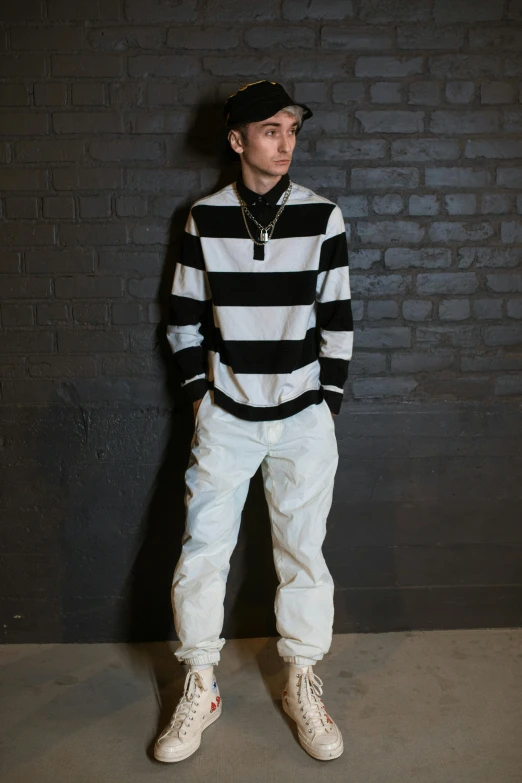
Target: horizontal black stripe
(333, 399)
(191, 252)
(334, 253)
(266, 356)
(196, 389)
(267, 412)
(263, 288)
(185, 311)
(296, 220)
(336, 316)
(334, 372)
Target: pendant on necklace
(263, 236)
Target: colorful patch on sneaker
(218, 699)
(285, 697)
(214, 685)
(328, 718)
(212, 706)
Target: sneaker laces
(193, 681)
(309, 690)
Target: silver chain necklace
(264, 236)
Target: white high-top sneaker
(318, 733)
(198, 707)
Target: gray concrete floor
(429, 707)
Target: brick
(510, 177)
(512, 121)
(59, 261)
(95, 206)
(9, 262)
(491, 362)
(416, 310)
(386, 92)
(155, 180)
(81, 65)
(163, 66)
(394, 11)
(498, 39)
(386, 231)
(363, 259)
(353, 206)
(380, 285)
(514, 308)
(22, 11)
(84, 122)
(384, 337)
(461, 204)
(446, 283)
(30, 390)
(364, 364)
(88, 95)
(320, 178)
(383, 387)
(351, 149)
(133, 262)
(17, 315)
(24, 66)
(457, 177)
(23, 179)
(503, 335)
(131, 206)
(463, 66)
(484, 309)
(61, 367)
(126, 313)
(82, 287)
(449, 12)
(18, 287)
(391, 121)
(24, 207)
(504, 283)
(146, 288)
(280, 37)
(391, 177)
(430, 37)
(299, 10)
(493, 148)
(201, 38)
(90, 313)
(510, 232)
(456, 387)
(453, 336)
(82, 234)
(313, 66)
(348, 92)
(460, 92)
(90, 341)
(489, 256)
(59, 150)
(423, 205)
(61, 208)
(159, 11)
(358, 310)
(14, 95)
(460, 232)
(384, 309)
(497, 92)
(238, 67)
(351, 39)
(51, 313)
(329, 122)
(427, 257)
(50, 94)
(47, 38)
(388, 66)
(25, 342)
(421, 361)
(424, 149)
(313, 92)
(424, 93)
(454, 309)
(495, 204)
(508, 384)
(88, 179)
(390, 204)
(464, 122)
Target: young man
(264, 273)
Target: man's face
(270, 144)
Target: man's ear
(234, 139)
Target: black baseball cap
(257, 101)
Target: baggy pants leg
(223, 459)
(299, 473)
(299, 458)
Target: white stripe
(291, 254)
(333, 284)
(195, 378)
(336, 345)
(265, 323)
(191, 282)
(181, 337)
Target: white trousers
(298, 457)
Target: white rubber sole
(326, 756)
(188, 749)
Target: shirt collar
(272, 196)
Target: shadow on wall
(146, 612)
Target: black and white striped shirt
(269, 329)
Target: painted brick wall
(110, 126)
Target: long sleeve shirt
(268, 328)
